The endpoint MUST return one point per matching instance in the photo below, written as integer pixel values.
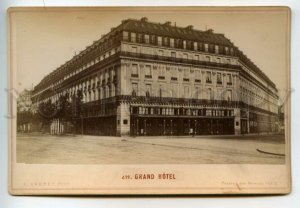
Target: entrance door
(244, 127)
(186, 127)
(133, 126)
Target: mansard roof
(169, 30)
(166, 30)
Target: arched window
(229, 95)
(197, 93)
(103, 93)
(160, 91)
(208, 77)
(107, 91)
(134, 89)
(148, 90)
(210, 95)
(147, 94)
(113, 91)
(133, 93)
(186, 90)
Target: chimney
(124, 21)
(189, 27)
(144, 19)
(168, 23)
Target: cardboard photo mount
(34, 36)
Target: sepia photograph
(151, 86)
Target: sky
(43, 40)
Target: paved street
(38, 148)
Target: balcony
(171, 100)
(180, 60)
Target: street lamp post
(164, 126)
(81, 125)
(195, 126)
(189, 127)
(145, 127)
(171, 127)
(137, 126)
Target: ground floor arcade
(156, 126)
(158, 119)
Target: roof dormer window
(125, 36)
(206, 47)
(133, 37)
(217, 49)
(159, 40)
(195, 46)
(184, 44)
(172, 42)
(147, 39)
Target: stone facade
(146, 78)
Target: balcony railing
(180, 60)
(156, 99)
(176, 100)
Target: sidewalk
(88, 149)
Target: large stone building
(145, 78)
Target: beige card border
(15, 189)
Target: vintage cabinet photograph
(149, 100)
